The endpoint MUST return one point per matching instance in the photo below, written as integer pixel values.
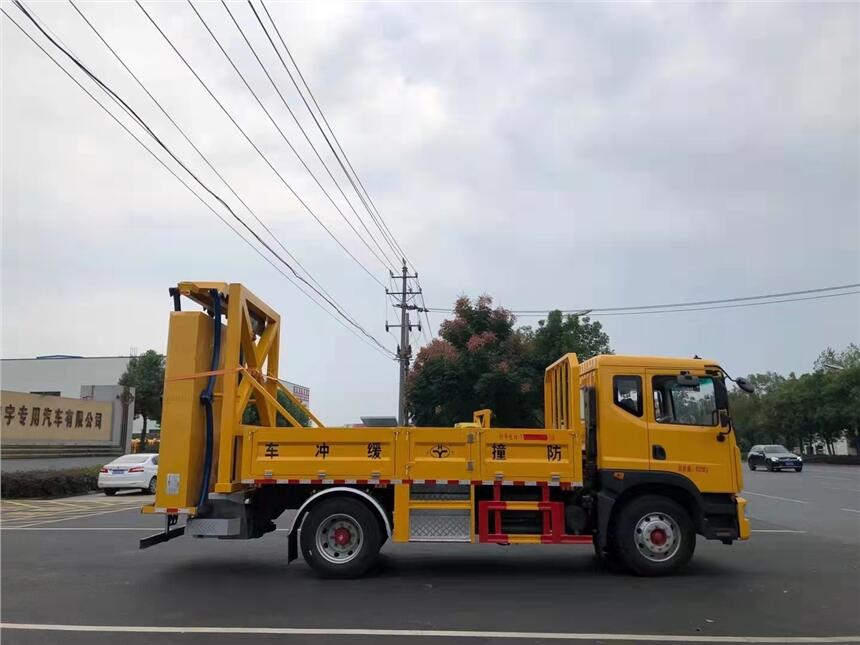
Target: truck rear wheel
(340, 538)
(654, 536)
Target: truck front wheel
(654, 535)
(340, 538)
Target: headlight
(799, 458)
(774, 458)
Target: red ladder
(552, 514)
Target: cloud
(549, 154)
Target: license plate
(117, 471)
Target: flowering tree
(480, 360)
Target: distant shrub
(48, 483)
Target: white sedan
(129, 471)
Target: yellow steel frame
(561, 394)
(250, 357)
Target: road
(822, 500)
(799, 577)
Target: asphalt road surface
(73, 564)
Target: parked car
(773, 458)
(129, 471)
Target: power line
(746, 304)
(298, 123)
(161, 144)
(381, 223)
(385, 351)
(603, 310)
(196, 149)
(254, 145)
(274, 122)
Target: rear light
(136, 469)
(103, 470)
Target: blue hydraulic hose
(206, 400)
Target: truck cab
(661, 461)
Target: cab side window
(627, 394)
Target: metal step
(440, 492)
(439, 525)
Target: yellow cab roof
(657, 362)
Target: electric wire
(381, 222)
(272, 119)
(254, 145)
(387, 353)
(744, 304)
(197, 150)
(205, 187)
(632, 308)
(301, 128)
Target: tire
(770, 468)
(152, 485)
(797, 470)
(645, 520)
(340, 538)
(110, 492)
(751, 465)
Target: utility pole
(404, 297)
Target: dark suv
(773, 458)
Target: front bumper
(136, 480)
(743, 522)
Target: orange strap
(185, 377)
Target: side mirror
(745, 385)
(688, 380)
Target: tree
(145, 373)
(251, 416)
(482, 361)
(802, 411)
(830, 359)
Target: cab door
(622, 438)
(684, 430)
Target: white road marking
(79, 528)
(776, 531)
(426, 633)
(783, 499)
(850, 490)
(850, 510)
(833, 477)
(30, 527)
(77, 517)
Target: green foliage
(801, 411)
(145, 373)
(49, 483)
(482, 361)
(251, 416)
(830, 359)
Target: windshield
(775, 450)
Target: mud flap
(292, 545)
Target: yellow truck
(637, 456)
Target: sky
(550, 155)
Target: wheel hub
(657, 537)
(339, 538)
